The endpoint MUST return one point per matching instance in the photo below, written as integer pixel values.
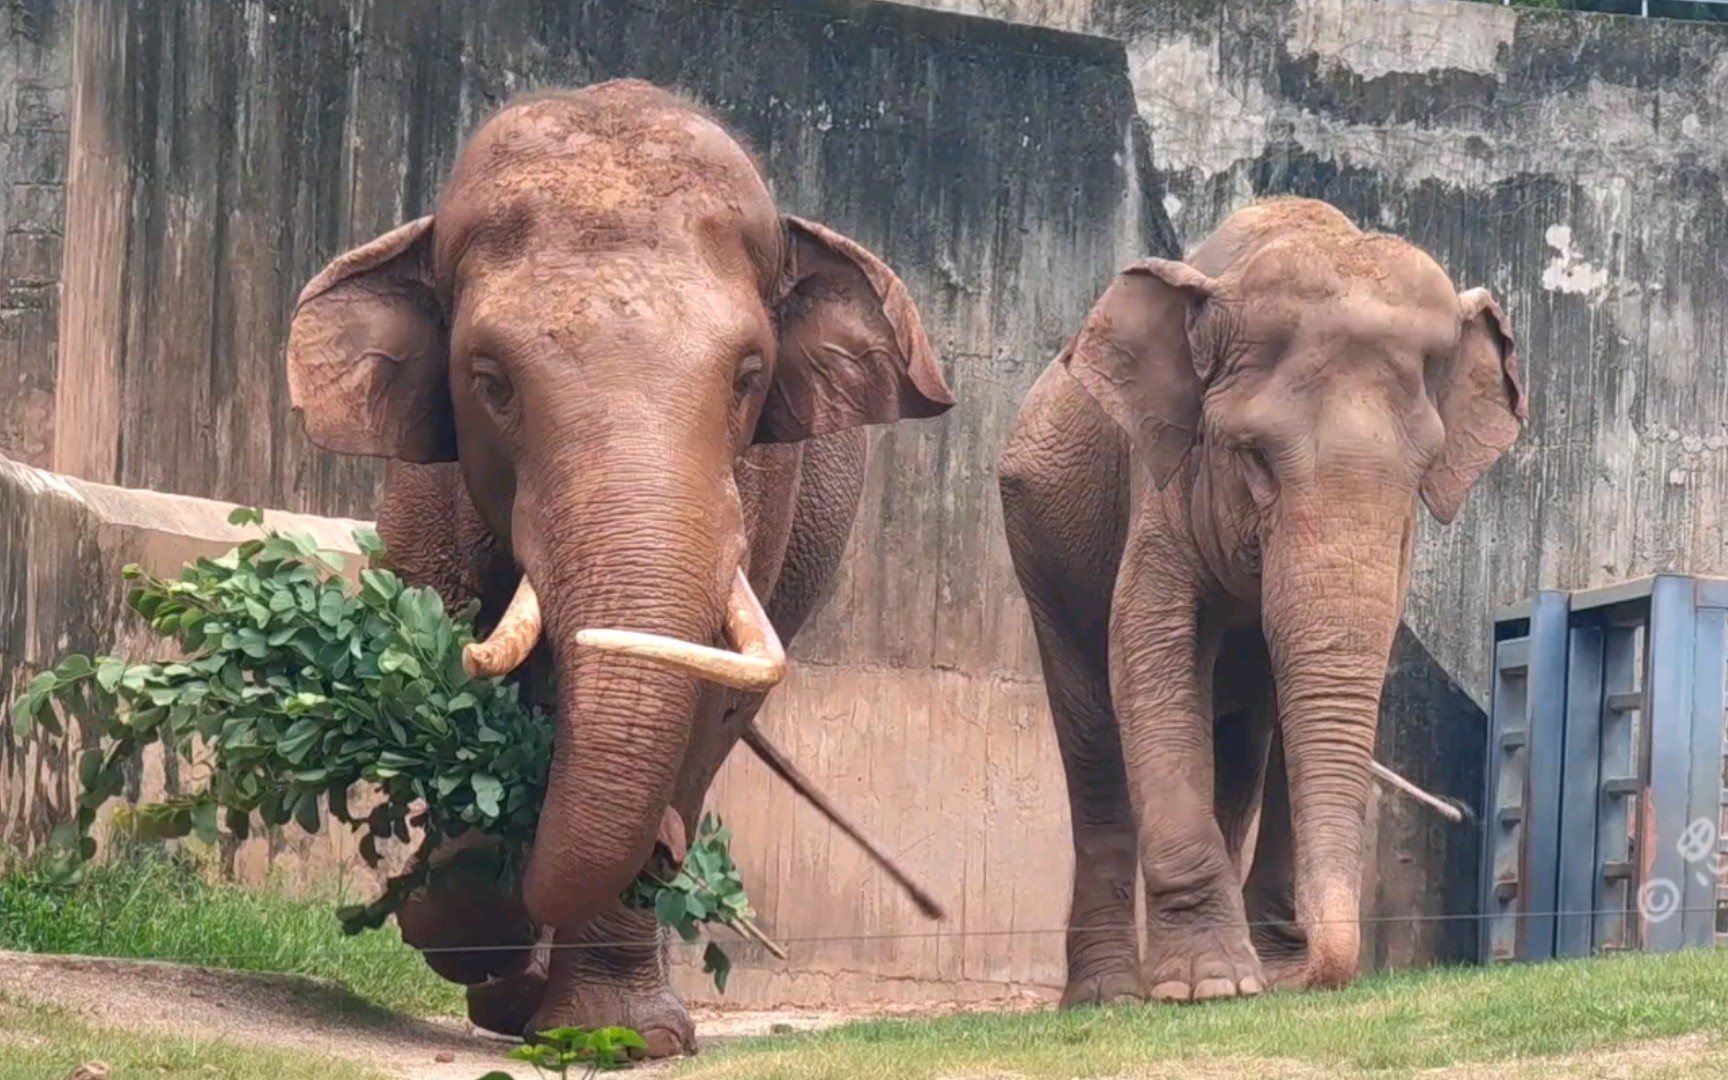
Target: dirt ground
(296, 1013)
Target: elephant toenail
(1214, 988)
(1171, 991)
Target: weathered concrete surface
(63, 543)
(1573, 164)
(220, 152)
(35, 52)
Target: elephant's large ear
(1136, 356)
(852, 349)
(368, 352)
(1480, 401)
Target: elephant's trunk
(1330, 612)
(651, 551)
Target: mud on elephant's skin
(613, 382)
(1209, 498)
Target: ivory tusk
(758, 664)
(510, 642)
(1447, 808)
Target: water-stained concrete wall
(220, 152)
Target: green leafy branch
(558, 1049)
(292, 688)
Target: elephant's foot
(1202, 965)
(507, 1005)
(1102, 987)
(613, 973)
(654, 1012)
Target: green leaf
(89, 767)
(366, 539)
(297, 742)
(487, 793)
(625, 1037)
(245, 515)
(715, 962)
(204, 821)
(669, 908)
(395, 660)
(331, 606)
(72, 667)
(306, 811)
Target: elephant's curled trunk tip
(758, 664)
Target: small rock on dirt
(780, 1029)
(443, 1057)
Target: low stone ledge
(63, 544)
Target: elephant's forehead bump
(614, 165)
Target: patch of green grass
(148, 905)
(38, 1042)
(1389, 1026)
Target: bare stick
(782, 767)
(1449, 809)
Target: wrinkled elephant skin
(1209, 498)
(606, 363)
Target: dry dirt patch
(297, 1013)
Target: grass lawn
(150, 906)
(1643, 1016)
(1572, 1016)
(42, 1043)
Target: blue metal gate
(1605, 781)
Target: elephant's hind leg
(1061, 479)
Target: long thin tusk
(511, 640)
(1450, 810)
(759, 663)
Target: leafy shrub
(292, 689)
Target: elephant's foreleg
(613, 971)
(1197, 943)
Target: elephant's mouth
(757, 663)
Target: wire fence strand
(941, 935)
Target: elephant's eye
(1262, 484)
(749, 377)
(493, 387)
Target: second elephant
(1210, 498)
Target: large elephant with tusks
(622, 398)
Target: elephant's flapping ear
(368, 352)
(852, 350)
(1136, 356)
(1481, 403)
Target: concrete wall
(220, 152)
